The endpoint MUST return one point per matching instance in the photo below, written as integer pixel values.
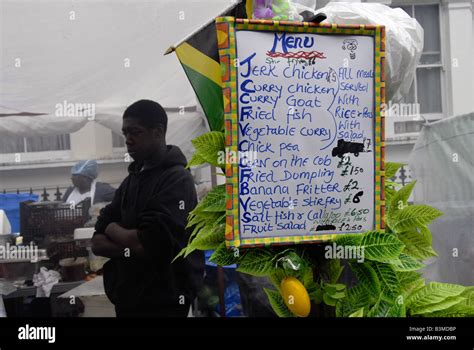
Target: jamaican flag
(199, 57)
(200, 60)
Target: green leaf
(338, 295)
(367, 278)
(414, 216)
(469, 294)
(389, 193)
(223, 256)
(196, 217)
(328, 300)
(432, 293)
(406, 263)
(402, 195)
(307, 277)
(388, 279)
(352, 240)
(335, 269)
(334, 291)
(417, 245)
(397, 310)
(312, 288)
(196, 160)
(356, 297)
(379, 309)
(257, 262)
(391, 169)
(381, 247)
(316, 295)
(358, 313)
(209, 147)
(277, 303)
(214, 201)
(384, 308)
(208, 238)
(180, 254)
(410, 282)
(399, 201)
(464, 308)
(204, 221)
(277, 276)
(197, 227)
(458, 310)
(333, 288)
(443, 305)
(344, 308)
(392, 184)
(220, 219)
(426, 233)
(455, 311)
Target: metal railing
(45, 194)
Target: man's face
(141, 142)
(80, 181)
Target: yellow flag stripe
(198, 61)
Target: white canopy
(442, 162)
(106, 53)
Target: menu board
(304, 130)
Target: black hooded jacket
(155, 200)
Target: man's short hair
(148, 113)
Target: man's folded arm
(101, 244)
(125, 238)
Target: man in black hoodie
(143, 229)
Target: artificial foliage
(387, 283)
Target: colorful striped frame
(226, 27)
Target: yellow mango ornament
(295, 296)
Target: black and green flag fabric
(199, 57)
(200, 60)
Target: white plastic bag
(44, 282)
(404, 40)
